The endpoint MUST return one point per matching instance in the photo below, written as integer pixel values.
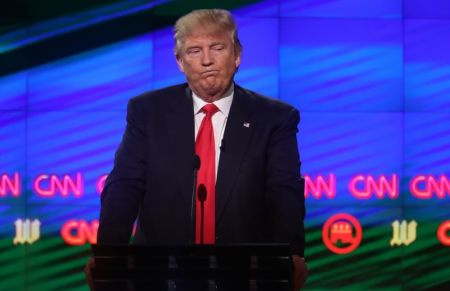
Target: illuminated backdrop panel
(341, 65)
(342, 8)
(427, 65)
(352, 145)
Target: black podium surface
(262, 267)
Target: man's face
(209, 62)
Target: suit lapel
(238, 132)
(237, 135)
(180, 128)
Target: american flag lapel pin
(246, 124)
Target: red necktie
(205, 148)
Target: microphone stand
(196, 165)
(202, 205)
(202, 198)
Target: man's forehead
(208, 36)
(207, 32)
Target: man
(251, 188)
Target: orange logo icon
(342, 233)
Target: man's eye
(193, 51)
(218, 47)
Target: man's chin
(211, 88)
(209, 91)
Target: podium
(242, 267)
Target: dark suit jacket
(259, 190)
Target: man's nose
(207, 59)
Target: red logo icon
(51, 185)
(443, 233)
(367, 186)
(78, 232)
(320, 186)
(10, 184)
(342, 233)
(428, 186)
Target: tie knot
(210, 109)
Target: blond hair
(213, 20)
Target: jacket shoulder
(266, 104)
(161, 95)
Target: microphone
(201, 194)
(195, 165)
(222, 146)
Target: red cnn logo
(50, 185)
(424, 186)
(10, 185)
(442, 233)
(320, 185)
(79, 232)
(365, 187)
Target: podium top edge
(250, 249)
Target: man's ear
(180, 62)
(237, 60)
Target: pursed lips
(209, 73)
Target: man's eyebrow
(193, 47)
(218, 44)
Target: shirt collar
(224, 103)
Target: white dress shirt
(219, 119)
